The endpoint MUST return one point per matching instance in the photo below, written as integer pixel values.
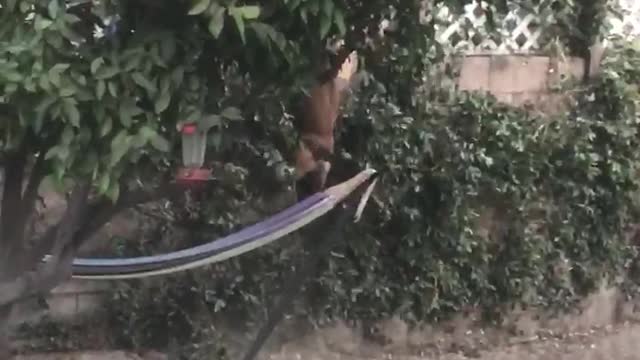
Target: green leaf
(67, 135)
(11, 88)
(67, 91)
(95, 65)
(303, 15)
(146, 133)
(313, 7)
(127, 111)
(104, 182)
(71, 18)
(51, 153)
(160, 143)
(29, 85)
(24, 6)
(168, 47)
(54, 39)
(41, 23)
(210, 121)
(249, 12)
(165, 84)
(59, 151)
(328, 7)
(54, 78)
(59, 68)
(216, 23)
(53, 8)
(13, 76)
(81, 79)
(114, 192)
(113, 89)
(71, 112)
(162, 102)
(44, 105)
(293, 4)
(239, 20)
(199, 6)
(106, 126)
(101, 88)
(133, 62)
(325, 26)
(177, 76)
(44, 83)
(142, 81)
(41, 111)
(154, 53)
(106, 72)
(338, 19)
(232, 113)
(120, 145)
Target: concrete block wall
(518, 79)
(77, 297)
(67, 302)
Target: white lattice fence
(520, 31)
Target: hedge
(480, 205)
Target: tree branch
(50, 273)
(97, 215)
(11, 221)
(63, 240)
(105, 211)
(38, 172)
(30, 195)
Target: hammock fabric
(247, 239)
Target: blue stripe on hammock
(92, 266)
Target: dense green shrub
(480, 205)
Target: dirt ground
(621, 342)
(612, 343)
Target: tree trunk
(8, 270)
(5, 345)
(5, 311)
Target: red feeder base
(193, 176)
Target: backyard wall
(520, 79)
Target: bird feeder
(194, 144)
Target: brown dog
(320, 111)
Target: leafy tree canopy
(91, 93)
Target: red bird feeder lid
(192, 176)
(189, 129)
